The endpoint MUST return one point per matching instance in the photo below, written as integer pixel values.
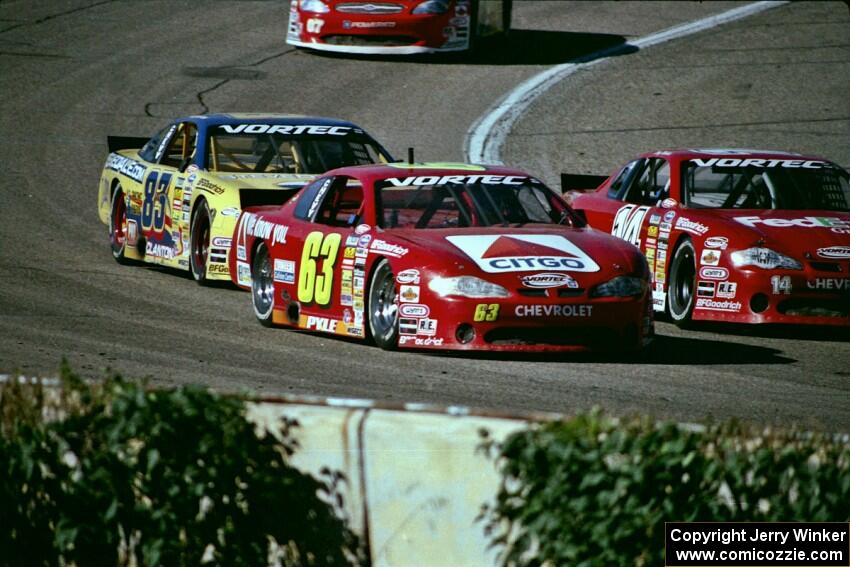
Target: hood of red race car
(795, 232)
(508, 252)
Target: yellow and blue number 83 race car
(174, 199)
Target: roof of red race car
(372, 173)
(707, 153)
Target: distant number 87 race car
(395, 27)
(447, 256)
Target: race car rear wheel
(262, 286)
(382, 306)
(118, 225)
(199, 245)
(680, 294)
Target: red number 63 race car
(741, 236)
(441, 256)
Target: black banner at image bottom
(757, 544)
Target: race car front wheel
(262, 286)
(680, 294)
(199, 246)
(383, 310)
(118, 225)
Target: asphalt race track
(73, 71)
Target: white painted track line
(486, 136)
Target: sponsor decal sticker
(284, 271)
(710, 273)
(408, 277)
(502, 253)
(669, 216)
(388, 248)
(427, 327)
(706, 289)
(243, 273)
(351, 240)
(709, 257)
(727, 290)
(285, 129)
(713, 305)
(652, 231)
(126, 166)
(553, 310)
(458, 179)
(220, 241)
(414, 310)
(159, 250)
(804, 222)
(654, 219)
(736, 162)
(420, 342)
(230, 212)
(408, 326)
(409, 294)
(219, 269)
(132, 232)
(669, 203)
(691, 226)
(322, 324)
(547, 280)
(720, 242)
(362, 229)
(840, 252)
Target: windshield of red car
(770, 184)
(284, 153)
(468, 200)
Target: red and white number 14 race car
(741, 236)
(445, 256)
(397, 27)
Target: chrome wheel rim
(201, 244)
(383, 310)
(262, 285)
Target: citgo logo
(502, 253)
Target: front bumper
(806, 297)
(600, 324)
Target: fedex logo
(805, 222)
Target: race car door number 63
(313, 286)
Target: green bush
(114, 474)
(595, 491)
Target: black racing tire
(681, 287)
(199, 242)
(262, 286)
(118, 225)
(382, 306)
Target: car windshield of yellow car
(278, 153)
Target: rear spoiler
(116, 143)
(576, 182)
